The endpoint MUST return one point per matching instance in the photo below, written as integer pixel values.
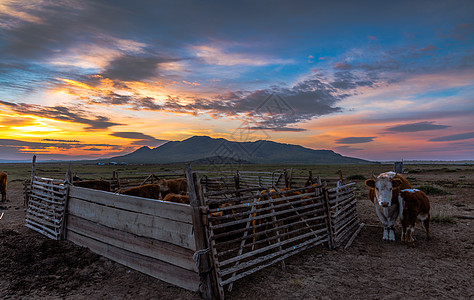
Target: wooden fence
(236, 224)
(147, 235)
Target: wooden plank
(264, 249)
(51, 202)
(292, 250)
(44, 215)
(354, 236)
(169, 210)
(286, 207)
(49, 185)
(40, 230)
(208, 287)
(162, 229)
(163, 251)
(262, 216)
(47, 194)
(340, 188)
(43, 221)
(261, 232)
(164, 271)
(50, 211)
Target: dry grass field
(34, 267)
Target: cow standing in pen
(3, 185)
(384, 192)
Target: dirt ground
(35, 267)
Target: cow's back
(151, 191)
(415, 201)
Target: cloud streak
(355, 140)
(62, 113)
(454, 137)
(415, 127)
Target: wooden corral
(236, 224)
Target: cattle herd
(173, 190)
(391, 194)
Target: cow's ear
(370, 183)
(396, 182)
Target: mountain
(204, 148)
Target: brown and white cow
(383, 192)
(416, 207)
(3, 185)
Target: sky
(376, 80)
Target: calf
(416, 207)
(386, 189)
(101, 185)
(174, 186)
(151, 191)
(176, 198)
(3, 185)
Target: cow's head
(163, 187)
(386, 187)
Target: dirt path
(34, 267)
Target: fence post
(208, 288)
(33, 172)
(291, 178)
(328, 219)
(68, 182)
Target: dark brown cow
(3, 185)
(416, 207)
(101, 185)
(174, 186)
(176, 198)
(151, 191)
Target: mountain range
(204, 149)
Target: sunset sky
(377, 80)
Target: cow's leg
(392, 218)
(404, 230)
(384, 221)
(426, 224)
(411, 235)
(391, 233)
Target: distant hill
(203, 149)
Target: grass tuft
(442, 217)
(431, 190)
(356, 177)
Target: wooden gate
(252, 228)
(46, 206)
